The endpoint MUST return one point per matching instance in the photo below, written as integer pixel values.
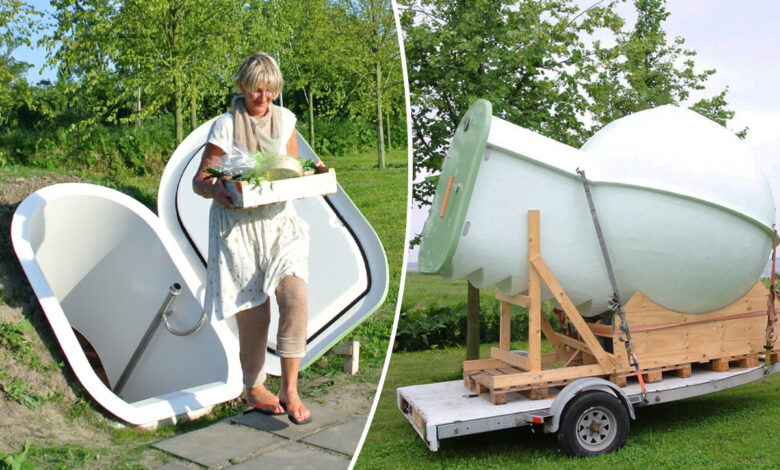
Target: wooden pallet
(664, 341)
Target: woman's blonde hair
(260, 68)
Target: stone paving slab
(341, 438)
(294, 456)
(279, 424)
(174, 466)
(216, 444)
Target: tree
(84, 49)
(16, 19)
(375, 56)
(526, 57)
(109, 53)
(173, 48)
(307, 50)
(644, 69)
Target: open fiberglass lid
(348, 274)
(105, 269)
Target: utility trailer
(590, 415)
(670, 217)
(679, 356)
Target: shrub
(107, 150)
(441, 327)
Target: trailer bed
(448, 409)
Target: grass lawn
(423, 290)
(381, 196)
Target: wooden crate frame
(584, 356)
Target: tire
(593, 423)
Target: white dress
(251, 250)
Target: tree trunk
(387, 125)
(177, 100)
(311, 118)
(472, 324)
(193, 113)
(380, 138)
(138, 107)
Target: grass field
(736, 428)
(423, 290)
(381, 196)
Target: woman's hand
(320, 167)
(221, 194)
(202, 184)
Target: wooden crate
(664, 341)
(663, 337)
(270, 192)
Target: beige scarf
(251, 132)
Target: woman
(258, 251)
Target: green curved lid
(440, 235)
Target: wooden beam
(472, 323)
(574, 343)
(519, 299)
(604, 359)
(510, 358)
(480, 364)
(505, 326)
(535, 292)
(550, 334)
(551, 357)
(551, 375)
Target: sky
(36, 55)
(741, 40)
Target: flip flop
(258, 407)
(296, 407)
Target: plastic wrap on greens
(273, 167)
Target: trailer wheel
(593, 423)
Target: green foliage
(440, 326)
(103, 149)
(15, 461)
(526, 57)
(18, 390)
(132, 61)
(340, 136)
(374, 335)
(645, 69)
(375, 58)
(536, 63)
(12, 338)
(16, 26)
(62, 456)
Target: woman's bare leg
(289, 390)
(252, 339)
(292, 297)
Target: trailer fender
(577, 387)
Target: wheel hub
(595, 428)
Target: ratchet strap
(615, 305)
(771, 314)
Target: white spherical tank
(687, 214)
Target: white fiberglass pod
(102, 264)
(687, 214)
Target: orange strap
(660, 326)
(641, 379)
(446, 196)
